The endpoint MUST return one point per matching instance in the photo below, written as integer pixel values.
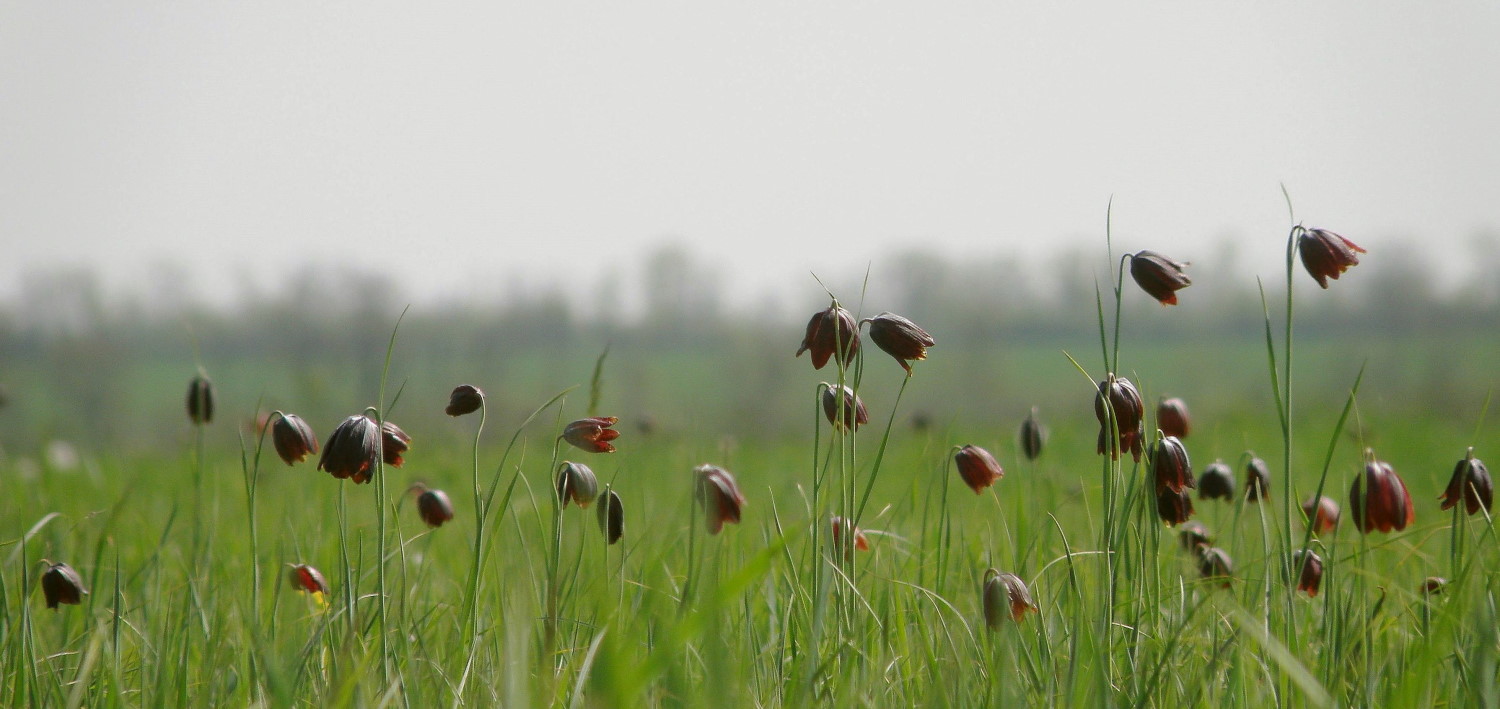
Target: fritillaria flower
(1379, 499)
(293, 438)
(1216, 482)
(464, 399)
(432, 505)
(1470, 483)
(592, 434)
(1310, 571)
(1033, 436)
(853, 409)
(351, 450)
(899, 338)
(1119, 397)
(720, 496)
(1326, 254)
(1159, 276)
(1214, 563)
(828, 332)
(200, 400)
(1005, 595)
(1194, 537)
(306, 579)
(1433, 585)
(576, 482)
(840, 527)
(62, 584)
(611, 515)
(1257, 480)
(1170, 466)
(1172, 417)
(394, 442)
(1321, 513)
(1174, 508)
(977, 468)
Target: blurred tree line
(109, 371)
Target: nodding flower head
(200, 400)
(899, 338)
(1119, 397)
(720, 496)
(1379, 500)
(432, 505)
(1033, 436)
(1309, 570)
(293, 438)
(977, 467)
(592, 434)
(1159, 276)
(1257, 480)
(1172, 417)
(306, 579)
(829, 332)
(1194, 537)
(464, 399)
(1214, 563)
(1326, 255)
(1470, 483)
(1322, 513)
(611, 515)
(1174, 508)
(351, 450)
(844, 412)
(1005, 596)
(394, 442)
(846, 541)
(1216, 482)
(576, 482)
(62, 584)
(1170, 466)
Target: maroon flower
(977, 468)
(1216, 482)
(840, 527)
(852, 412)
(1257, 480)
(1310, 571)
(1326, 254)
(611, 515)
(1033, 436)
(306, 579)
(720, 496)
(1170, 466)
(1433, 585)
(592, 434)
(293, 438)
(1174, 508)
(576, 482)
(394, 442)
(1172, 417)
(432, 505)
(1005, 595)
(1379, 499)
(1124, 401)
(1214, 563)
(351, 450)
(829, 331)
(62, 584)
(1322, 513)
(899, 338)
(1470, 483)
(464, 399)
(200, 400)
(1194, 537)
(1159, 276)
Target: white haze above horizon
(468, 150)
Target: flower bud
(293, 438)
(433, 506)
(62, 584)
(464, 399)
(1257, 480)
(977, 467)
(611, 516)
(576, 482)
(1159, 276)
(1005, 595)
(1325, 254)
(831, 331)
(200, 400)
(899, 338)
(1119, 397)
(1172, 417)
(1033, 436)
(852, 413)
(1216, 482)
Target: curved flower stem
(549, 637)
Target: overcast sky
(460, 147)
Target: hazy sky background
(462, 148)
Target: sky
(464, 150)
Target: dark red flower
(306, 579)
(1194, 537)
(1310, 571)
(576, 482)
(719, 495)
(1005, 595)
(1214, 563)
(200, 400)
(1174, 508)
(1379, 499)
(899, 338)
(611, 515)
(1172, 417)
(293, 438)
(351, 450)
(1433, 585)
(1159, 276)
(432, 505)
(394, 442)
(1170, 466)
(840, 526)
(1326, 254)
(1322, 513)
(977, 467)
(592, 434)
(829, 331)
(1118, 396)
(852, 412)
(464, 399)
(1033, 436)
(1470, 483)
(1216, 482)
(62, 584)
(1257, 480)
